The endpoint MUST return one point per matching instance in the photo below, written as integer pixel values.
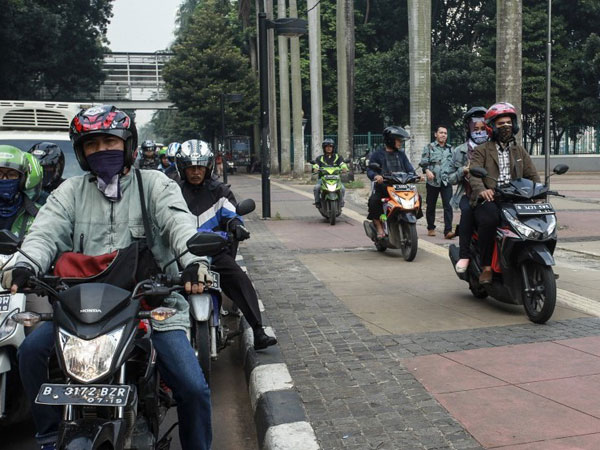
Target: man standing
(436, 161)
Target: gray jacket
(439, 160)
(460, 160)
(77, 217)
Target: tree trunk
(419, 32)
(316, 81)
(509, 17)
(345, 72)
(284, 95)
(296, 98)
(274, 148)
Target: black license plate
(402, 187)
(77, 394)
(4, 302)
(216, 280)
(526, 209)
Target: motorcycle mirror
(245, 207)
(206, 244)
(348, 160)
(9, 242)
(559, 169)
(478, 172)
(374, 166)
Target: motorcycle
(523, 249)
(400, 210)
(13, 404)
(109, 389)
(363, 162)
(208, 334)
(331, 191)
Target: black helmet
(390, 134)
(52, 159)
(475, 111)
(104, 119)
(327, 142)
(148, 146)
(194, 153)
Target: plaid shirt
(504, 162)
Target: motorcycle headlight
(551, 224)
(7, 327)
(407, 204)
(89, 360)
(331, 187)
(523, 229)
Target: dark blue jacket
(379, 157)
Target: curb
(279, 415)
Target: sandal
(380, 236)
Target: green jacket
(439, 160)
(24, 218)
(77, 217)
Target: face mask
(505, 133)
(10, 200)
(479, 137)
(107, 165)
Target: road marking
(563, 298)
(268, 377)
(291, 436)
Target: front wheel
(410, 240)
(540, 302)
(332, 211)
(202, 344)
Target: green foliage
(207, 62)
(52, 46)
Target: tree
(206, 63)
(52, 49)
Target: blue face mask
(10, 200)
(479, 137)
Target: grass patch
(356, 184)
(277, 216)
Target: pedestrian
(436, 161)
(219, 164)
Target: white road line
(266, 378)
(291, 436)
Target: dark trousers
(238, 287)
(465, 228)
(375, 204)
(487, 217)
(432, 195)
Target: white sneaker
(461, 266)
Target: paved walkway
(379, 367)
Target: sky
(142, 26)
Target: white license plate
(77, 394)
(526, 209)
(216, 280)
(4, 302)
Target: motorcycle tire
(202, 347)
(411, 241)
(332, 212)
(540, 305)
(380, 247)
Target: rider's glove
(18, 275)
(196, 273)
(241, 232)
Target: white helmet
(194, 153)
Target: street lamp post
(286, 27)
(231, 98)
(548, 85)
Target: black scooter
(110, 387)
(523, 249)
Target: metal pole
(264, 115)
(223, 150)
(548, 84)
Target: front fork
(214, 326)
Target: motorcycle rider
(392, 158)
(213, 203)
(164, 163)
(461, 158)
(505, 160)
(149, 158)
(171, 171)
(98, 213)
(329, 158)
(52, 159)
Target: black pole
(264, 115)
(223, 149)
(548, 85)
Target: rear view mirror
(245, 207)
(559, 169)
(9, 242)
(206, 244)
(478, 172)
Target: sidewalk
(475, 375)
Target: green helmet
(33, 185)
(13, 158)
(162, 152)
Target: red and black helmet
(499, 110)
(104, 119)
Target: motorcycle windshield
(92, 302)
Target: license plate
(4, 303)
(216, 280)
(90, 394)
(526, 209)
(402, 187)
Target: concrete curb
(279, 415)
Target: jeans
(432, 195)
(465, 228)
(317, 192)
(177, 365)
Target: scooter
(208, 334)
(110, 388)
(400, 210)
(523, 249)
(331, 191)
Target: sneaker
(318, 205)
(449, 235)
(430, 232)
(462, 265)
(486, 276)
(262, 340)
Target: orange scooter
(401, 208)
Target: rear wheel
(202, 344)
(410, 242)
(332, 211)
(540, 303)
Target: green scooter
(331, 192)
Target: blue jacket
(379, 157)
